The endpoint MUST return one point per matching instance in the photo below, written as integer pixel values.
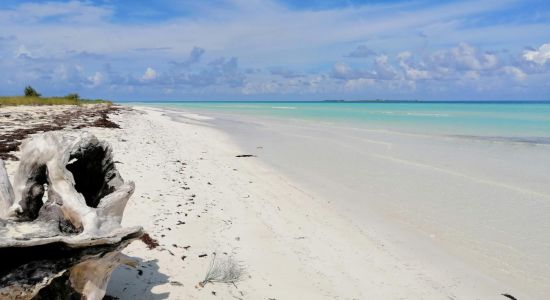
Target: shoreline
(248, 132)
(194, 196)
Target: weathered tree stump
(60, 232)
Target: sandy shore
(196, 198)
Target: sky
(277, 49)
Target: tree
(30, 92)
(73, 96)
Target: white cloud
(296, 51)
(383, 69)
(416, 74)
(194, 57)
(96, 79)
(22, 52)
(517, 73)
(539, 56)
(465, 57)
(341, 70)
(237, 28)
(150, 74)
(260, 88)
(411, 72)
(358, 84)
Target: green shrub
(30, 92)
(73, 96)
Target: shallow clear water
(496, 119)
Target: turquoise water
(517, 120)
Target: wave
(414, 114)
(283, 107)
(427, 115)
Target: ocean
(521, 121)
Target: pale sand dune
(293, 243)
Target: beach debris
(245, 155)
(176, 283)
(168, 250)
(74, 117)
(509, 296)
(60, 220)
(149, 241)
(223, 269)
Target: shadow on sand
(129, 283)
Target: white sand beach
(383, 224)
(275, 150)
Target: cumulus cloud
(455, 66)
(77, 39)
(342, 70)
(516, 72)
(465, 57)
(411, 71)
(194, 57)
(360, 83)
(305, 84)
(254, 88)
(222, 72)
(23, 52)
(96, 79)
(383, 69)
(150, 74)
(75, 77)
(539, 56)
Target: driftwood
(60, 232)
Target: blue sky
(277, 50)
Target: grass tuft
(21, 100)
(224, 269)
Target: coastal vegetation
(224, 270)
(32, 97)
(30, 92)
